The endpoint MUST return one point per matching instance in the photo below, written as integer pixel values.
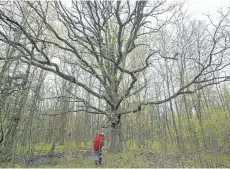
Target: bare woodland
(146, 73)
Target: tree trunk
(115, 140)
(115, 135)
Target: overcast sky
(197, 7)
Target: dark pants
(98, 156)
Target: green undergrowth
(151, 154)
(132, 159)
(46, 147)
(140, 159)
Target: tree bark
(115, 135)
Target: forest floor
(129, 159)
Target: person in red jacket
(98, 142)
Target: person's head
(102, 134)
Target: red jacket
(97, 142)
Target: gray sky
(197, 7)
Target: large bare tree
(104, 40)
